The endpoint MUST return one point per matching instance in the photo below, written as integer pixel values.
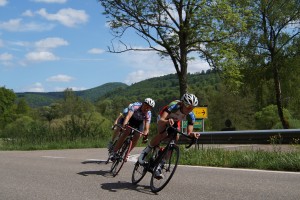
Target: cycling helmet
(150, 102)
(189, 99)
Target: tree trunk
(284, 122)
(182, 77)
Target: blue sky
(51, 45)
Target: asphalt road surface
(81, 174)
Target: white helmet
(150, 102)
(189, 99)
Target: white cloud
(3, 2)
(50, 43)
(68, 17)
(50, 1)
(36, 87)
(147, 64)
(6, 57)
(16, 25)
(60, 78)
(41, 56)
(60, 89)
(96, 51)
(28, 13)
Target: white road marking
(133, 158)
(52, 157)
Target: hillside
(162, 89)
(165, 88)
(36, 99)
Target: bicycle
(123, 152)
(164, 158)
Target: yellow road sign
(200, 112)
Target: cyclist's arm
(116, 121)
(191, 133)
(163, 121)
(127, 118)
(146, 128)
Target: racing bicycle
(165, 159)
(122, 154)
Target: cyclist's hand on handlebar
(113, 127)
(195, 135)
(145, 139)
(171, 121)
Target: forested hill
(36, 99)
(162, 89)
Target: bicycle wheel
(139, 171)
(121, 158)
(168, 169)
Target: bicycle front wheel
(121, 158)
(139, 171)
(167, 165)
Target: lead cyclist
(171, 115)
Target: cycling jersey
(174, 111)
(138, 117)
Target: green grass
(251, 159)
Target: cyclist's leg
(162, 134)
(121, 140)
(137, 136)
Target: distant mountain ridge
(36, 99)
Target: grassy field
(276, 159)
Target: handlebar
(133, 129)
(173, 131)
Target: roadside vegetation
(250, 159)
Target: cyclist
(139, 117)
(119, 120)
(170, 115)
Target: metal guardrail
(279, 136)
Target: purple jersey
(137, 113)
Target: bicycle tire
(139, 171)
(168, 169)
(119, 162)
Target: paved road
(81, 174)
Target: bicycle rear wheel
(121, 158)
(168, 169)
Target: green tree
(267, 118)
(22, 107)
(271, 39)
(7, 100)
(178, 27)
